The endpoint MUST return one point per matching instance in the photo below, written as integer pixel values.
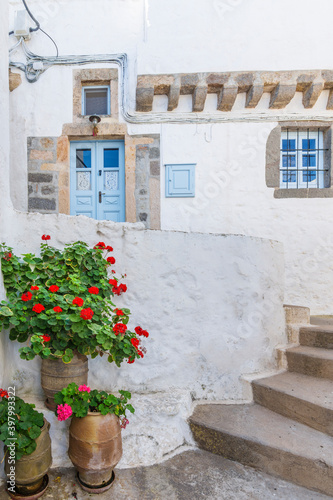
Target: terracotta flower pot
(55, 375)
(95, 448)
(30, 470)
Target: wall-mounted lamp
(94, 119)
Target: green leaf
(34, 432)
(5, 311)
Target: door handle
(100, 196)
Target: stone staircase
(288, 430)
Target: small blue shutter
(179, 180)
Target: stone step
(260, 438)
(321, 320)
(308, 400)
(311, 361)
(317, 336)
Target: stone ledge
(282, 85)
(304, 193)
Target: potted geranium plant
(95, 445)
(25, 434)
(60, 303)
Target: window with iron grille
(303, 159)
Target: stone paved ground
(193, 475)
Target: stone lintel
(254, 95)
(282, 85)
(174, 93)
(282, 95)
(80, 130)
(227, 96)
(311, 94)
(199, 96)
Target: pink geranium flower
(64, 412)
(83, 388)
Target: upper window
(96, 100)
(302, 159)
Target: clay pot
(31, 470)
(55, 375)
(95, 448)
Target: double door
(97, 180)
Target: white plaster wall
(212, 305)
(187, 36)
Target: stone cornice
(282, 86)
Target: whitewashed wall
(212, 303)
(219, 35)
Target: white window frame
(297, 169)
(96, 87)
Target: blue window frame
(302, 159)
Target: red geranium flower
(140, 353)
(38, 308)
(109, 249)
(7, 256)
(86, 313)
(46, 338)
(26, 296)
(53, 288)
(130, 361)
(46, 237)
(78, 301)
(135, 342)
(3, 393)
(118, 290)
(119, 312)
(34, 288)
(113, 271)
(57, 309)
(100, 246)
(111, 260)
(93, 290)
(119, 328)
(113, 282)
(139, 331)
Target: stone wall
(42, 186)
(147, 179)
(49, 167)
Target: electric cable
(37, 26)
(32, 75)
(32, 17)
(56, 46)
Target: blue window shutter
(180, 180)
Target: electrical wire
(37, 26)
(120, 60)
(56, 46)
(32, 17)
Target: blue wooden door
(97, 180)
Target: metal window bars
(291, 171)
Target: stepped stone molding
(282, 86)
